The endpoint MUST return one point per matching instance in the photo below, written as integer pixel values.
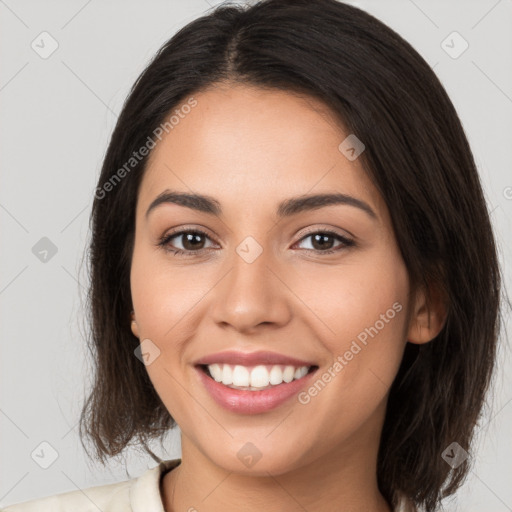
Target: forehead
(249, 145)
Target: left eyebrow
(286, 208)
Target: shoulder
(113, 497)
(126, 496)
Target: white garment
(140, 494)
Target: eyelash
(164, 242)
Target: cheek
(360, 315)
(351, 296)
(162, 294)
(167, 300)
(162, 299)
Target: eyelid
(327, 228)
(346, 242)
(186, 229)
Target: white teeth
(300, 372)
(288, 374)
(216, 372)
(240, 376)
(276, 375)
(227, 374)
(257, 377)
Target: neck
(341, 480)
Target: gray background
(56, 116)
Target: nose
(252, 293)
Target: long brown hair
(419, 159)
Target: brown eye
(193, 241)
(323, 241)
(190, 240)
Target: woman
(291, 260)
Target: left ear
(134, 326)
(424, 324)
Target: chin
(256, 458)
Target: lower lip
(252, 402)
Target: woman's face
(262, 281)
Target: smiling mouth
(255, 378)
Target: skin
(250, 149)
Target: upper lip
(251, 359)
